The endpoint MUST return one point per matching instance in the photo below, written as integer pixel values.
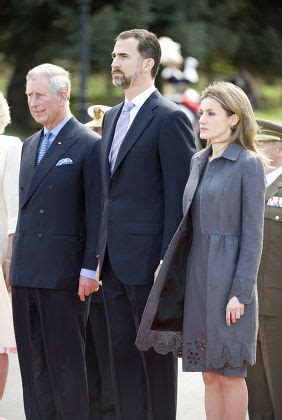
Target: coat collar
(231, 152)
(34, 174)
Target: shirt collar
(55, 131)
(139, 100)
(273, 175)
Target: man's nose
(115, 62)
(32, 101)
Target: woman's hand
(234, 311)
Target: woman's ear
(234, 119)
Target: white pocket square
(66, 161)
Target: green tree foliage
(36, 31)
(244, 33)
(134, 14)
(241, 34)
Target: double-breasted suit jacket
(58, 213)
(142, 197)
(232, 215)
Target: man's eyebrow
(122, 54)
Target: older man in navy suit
(54, 253)
(146, 150)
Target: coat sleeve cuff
(243, 288)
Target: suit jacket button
(41, 211)
(40, 235)
(21, 187)
(50, 187)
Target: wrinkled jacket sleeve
(253, 201)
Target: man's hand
(86, 287)
(6, 273)
(234, 311)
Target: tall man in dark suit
(146, 151)
(53, 262)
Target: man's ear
(63, 95)
(148, 64)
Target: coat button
(50, 187)
(21, 187)
(41, 211)
(40, 235)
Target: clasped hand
(234, 311)
(87, 286)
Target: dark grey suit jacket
(59, 208)
(142, 198)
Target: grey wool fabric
(231, 216)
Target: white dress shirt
(138, 101)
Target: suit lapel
(108, 135)
(63, 141)
(140, 123)
(28, 165)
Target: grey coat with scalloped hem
(232, 214)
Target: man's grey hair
(58, 78)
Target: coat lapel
(140, 123)
(28, 165)
(108, 135)
(199, 163)
(63, 141)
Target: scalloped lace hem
(218, 358)
(163, 342)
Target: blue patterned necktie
(120, 132)
(44, 146)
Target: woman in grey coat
(203, 305)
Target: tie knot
(127, 107)
(48, 134)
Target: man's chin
(39, 119)
(117, 81)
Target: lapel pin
(59, 142)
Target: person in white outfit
(10, 155)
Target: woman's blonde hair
(5, 118)
(234, 101)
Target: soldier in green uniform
(264, 379)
